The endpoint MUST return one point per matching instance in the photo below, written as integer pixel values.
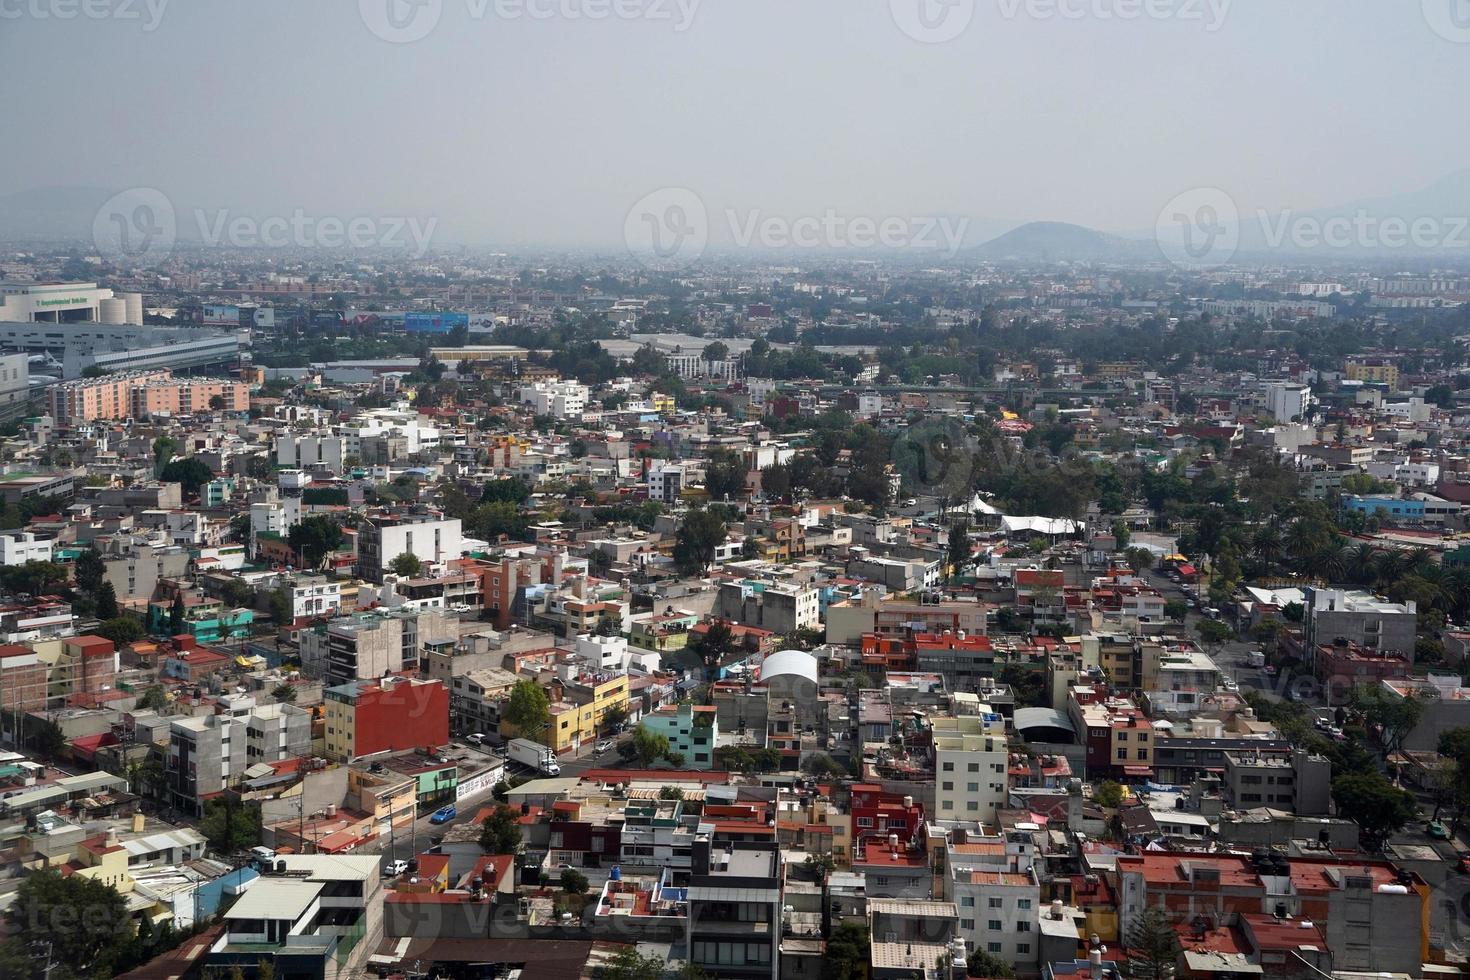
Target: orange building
(134, 394)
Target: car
(395, 868)
(444, 814)
(1269, 670)
(1462, 863)
(1436, 830)
(475, 739)
(602, 745)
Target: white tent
(1039, 525)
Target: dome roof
(789, 662)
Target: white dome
(797, 662)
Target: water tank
(616, 874)
(112, 311)
(134, 306)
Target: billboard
(434, 322)
(221, 316)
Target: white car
(395, 868)
(475, 739)
(602, 745)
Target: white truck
(1256, 658)
(533, 754)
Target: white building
(559, 399)
(998, 912)
(314, 595)
(311, 452)
(434, 541)
(68, 302)
(274, 517)
(970, 767)
(869, 404)
(23, 546)
(666, 481)
(1288, 402)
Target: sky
(514, 130)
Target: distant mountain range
(1442, 210)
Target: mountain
(1057, 241)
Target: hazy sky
(513, 130)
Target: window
(948, 786)
(967, 902)
(997, 903)
(967, 924)
(1023, 926)
(1022, 949)
(1023, 903)
(1122, 753)
(1122, 736)
(993, 925)
(992, 947)
(949, 767)
(972, 787)
(974, 767)
(865, 821)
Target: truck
(533, 755)
(1256, 658)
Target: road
(407, 843)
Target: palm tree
(1361, 563)
(1390, 566)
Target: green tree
(614, 718)
(699, 535)
(122, 630)
(281, 607)
(649, 746)
(1213, 632)
(1176, 609)
(48, 738)
(176, 615)
(237, 592)
(985, 964)
(82, 923)
(1121, 535)
(152, 699)
(284, 694)
(724, 476)
(1377, 806)
(958, 555)
(1139, 559)
(628, 964)
(500, 833)
(1153, 946)
(573, 881)
(106, 601)
(189, 473)
(528, 708)
(406, 565)
(231, 826)
(1108, 794)
(849, 952)
(314, 538)
(1395, 717)
(88, 570)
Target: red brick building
(877, 814)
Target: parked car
(444, 814)
(602, 745)
(1436, 830)
(1462, 864)
(476, 739)
(395, 868)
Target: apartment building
(558, 399)
(210, 753)
(780, 607)
(186, 396)
(434, 540)
(395, 713)
(970, 766)
(691, 730)
(1298, 782)
(998, 912)
(367, 646)
(23, 546)
(666, 482)
(735, 908)
(848, 620)
(107, 397)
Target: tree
(1176, 609)
(406, 565)
(189, 473)
(82, 923)
(573, 881)
(1121, 535)
(284, 694)
(1139, 559)
(48, 738)
(1108, 794)
(848, 952)
(88, 570)
(216, 403)
(1395, 717)
(649, 746)
(958, 555)
(106, 601)
(1213, 632)
(231, 826)
(527, 708)
(1377, 806)
(237, 592)
(152, 699)
(629, 964)
(34, 577)
(985, 964)
(176, 615)
(1153, 946)
(724, 477)
(614, 718)
(699, 535)
(281, 613)
(500, 833)
(822, 766)
(122, 630)
(314, 538)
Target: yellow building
(1374, 370)
(664, 404)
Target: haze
(544, 132)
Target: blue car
(444, 814)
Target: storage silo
(112, 311)
(134, 303)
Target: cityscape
(879, 491)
